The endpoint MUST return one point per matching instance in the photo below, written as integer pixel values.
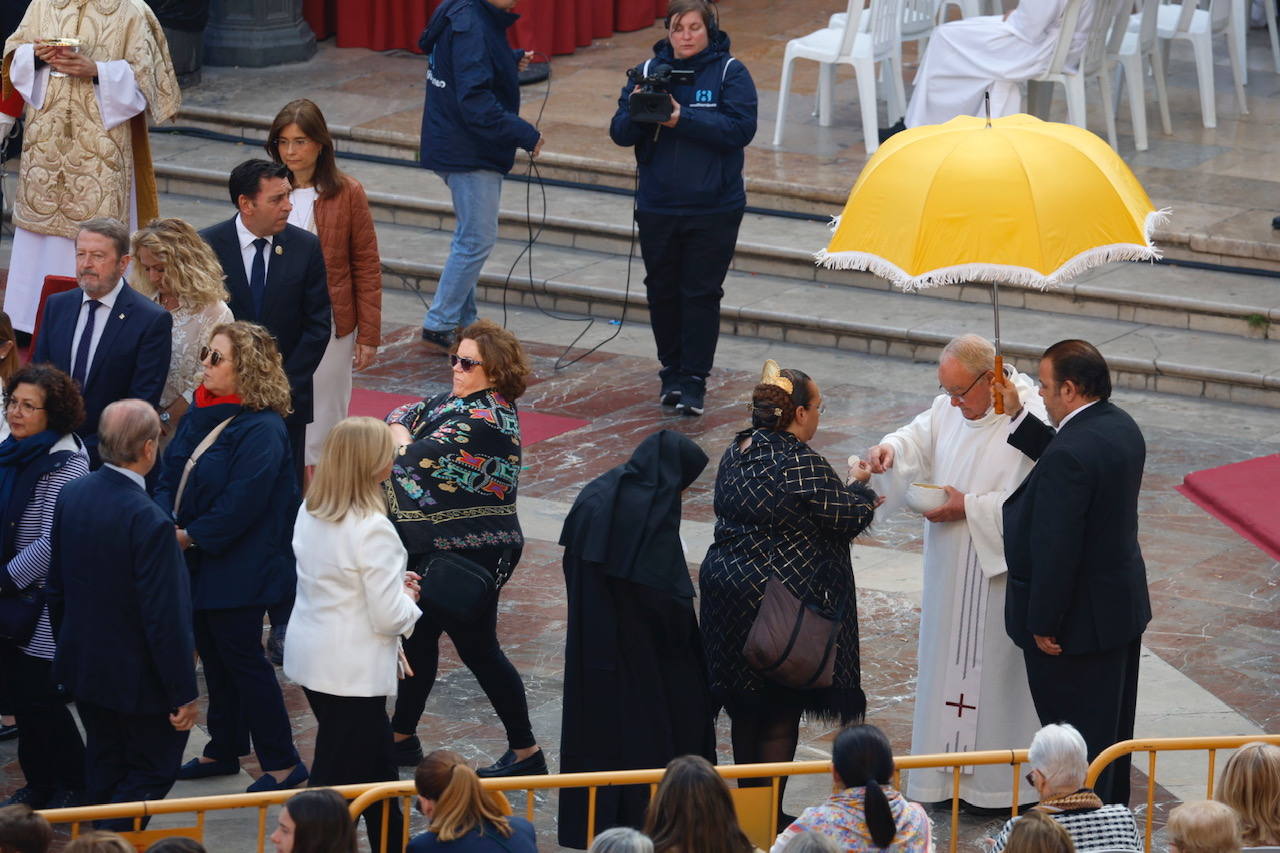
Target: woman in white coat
(355, 601)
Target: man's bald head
(123, 432)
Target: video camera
(651, 98)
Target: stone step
(1178, 239)
(1178, 297)
(579, 281)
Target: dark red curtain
(550, 27)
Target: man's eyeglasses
(955, 396)
(468, 364)
(22, 406)
(212, 356)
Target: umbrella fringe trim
(997, 273)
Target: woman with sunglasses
(454, 488)
(229, 482)
(781, 512)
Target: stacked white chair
(848, 45)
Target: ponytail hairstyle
(461, 804)
(861, 757)
(775, 400)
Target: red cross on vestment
(961, 706)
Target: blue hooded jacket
(472, 115)
(696, 166)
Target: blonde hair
(99, 841)
(260, 379)
(355, 451)
(461, 804)
(973, 351)
(1250, 784)
(1204, 826)
(191, 269)
(1036, 832)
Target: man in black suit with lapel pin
(112, 340)
(276, 278)
(121, 610)
(1077, 602)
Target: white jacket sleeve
(382, 563)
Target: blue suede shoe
(267, 782)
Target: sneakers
(440, 342)
(670, 393)
(407, 752)
(693, 391)
(534, 765)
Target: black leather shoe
(197, 769)
(267, 782)
(8, 732)
(408, 752)
(36, 798)
(534, 765)
(885, 132)
(439, 342)
(64, 798)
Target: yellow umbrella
(1015, 199)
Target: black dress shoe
(439, 342)
(197, 769)
(534, 765)
(36, 798)
(8, 732)
(408, 752)
(897, 127)
(64, 798)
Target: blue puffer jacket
(696, 166)
(472, 114)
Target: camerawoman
(690, 111)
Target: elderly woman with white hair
(1058, 768)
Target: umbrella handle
(1000, 377)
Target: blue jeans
(475, 204)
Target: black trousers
(244, 697)
(50, 750)
(685, 261)
(477, 645)
(128, 757)
(1098, 694)
(353, 745)
(278, 614)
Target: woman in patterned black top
(453, 488)
(780, 510)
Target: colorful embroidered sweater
(454, 487)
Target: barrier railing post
(385, 822)
(1208, 791)
(955, 807)
(1017, 779)
(775, 799)
(262, 828)
(591, 814)
(528, 804)
(1151, 797)
(408, 815)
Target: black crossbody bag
(456, 588)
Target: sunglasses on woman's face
(468, 364)
(212, 356)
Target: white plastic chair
(1092, 61)
(1240, 29)
(1199, 27)
(846, 45)
(1138, 48)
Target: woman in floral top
(453, 488)
(864, 813)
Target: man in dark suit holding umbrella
(1077, 600)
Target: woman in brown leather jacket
(333, 206)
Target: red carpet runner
(1244, 496)
(534, 427)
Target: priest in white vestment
(968, 58)
(972, 689)
(85, 150)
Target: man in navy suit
(1076, 601)
(121, 610)
(111, 339)
(276, 278)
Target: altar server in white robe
(970, 57)
(972, 689)
(85, 150)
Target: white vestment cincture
(972, 689)
(969, 57)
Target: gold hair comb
(772, 375)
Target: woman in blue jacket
(471, 128)
(691, 197)
(234, 513)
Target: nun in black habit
(635, 680)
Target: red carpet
(534, 427)
(1243, 496)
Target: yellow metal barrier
(756, 806)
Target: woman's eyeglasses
(22, 406)
(212, 356)
(468, 364)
